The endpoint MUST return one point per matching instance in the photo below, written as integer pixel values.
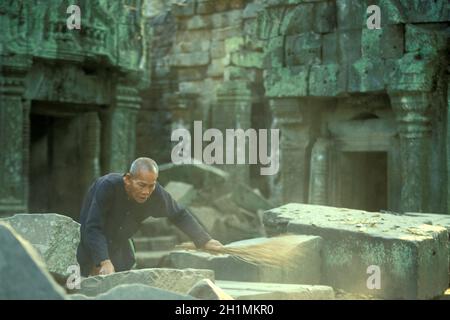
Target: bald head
(143, 164)
(141, 181)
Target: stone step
(240, 290)
(150, 259)
(155, 243)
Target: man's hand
(106, 267)
(213, 245)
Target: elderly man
(113, 210)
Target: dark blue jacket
(109, 219)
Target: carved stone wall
(97, 71)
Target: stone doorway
(64, 157)
(363, 180)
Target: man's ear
(127, 178)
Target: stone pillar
(233, 111)
(292, 180)
(14, 135)
(414, 129)
(121, 128)
(318, 180)
(181, 106)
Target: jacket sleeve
(92, 233)
(183, 219)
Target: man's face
(140, 186)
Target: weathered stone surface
(325, 17)
(199, 22)
(179, 281)
(275, 291)
(286, 82)
(248, 199)
(247, 59)
(349, 45)
(412, 256)
(426, 41)
(198, 174)
(137, 291)
(208, 216)
(181, 192)
(216, 68)
(217, 49)
(251, 10)
(303, 49)
(205, 6)
(413, 72)
(326, 81)
(56, 237)
(239, 73)
(190, 59)
(207, 290)
(366, 75)
(183, 9)
(228, 267)
(23, 275)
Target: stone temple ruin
(363, 184)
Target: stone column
(181, 106)
(414, 129)
(233, 111)
(14, 135)
(292, 180)
(121, 123)
(318, 180)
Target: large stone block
(413, 72)
(366, 75)
(325, 17)
(411, 257)
(286, 82)
(306, 250)
(274, 291)
(199, 22)
(298, 20)
(326, 81)
(198, 174)
(269, 22)
(426, 41)
(421, 11)
(247, 59)
(227, 32)
(303, 49)
(387, 42)
(138, 291)
(183, 9)
(206, 289)
(252, 10)
(349, 49)
(217, 49)
(274, 53)
(190, 59)
(205, 6)
(179, 281)
(240, 73)
(330, 48)
(183, 193)
(56, 238)
(249, 199)
(209, 218)
(23, 275)
(351, 14)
